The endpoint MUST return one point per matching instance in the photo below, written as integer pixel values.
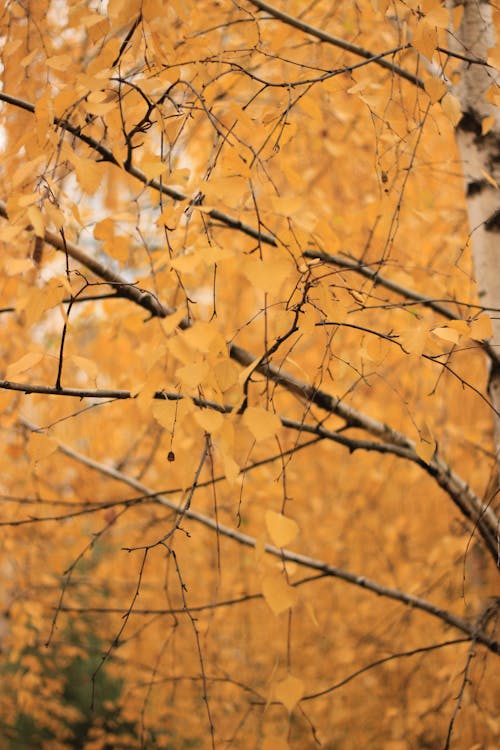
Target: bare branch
(384, 660)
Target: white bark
(480, 155)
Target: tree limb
(482, 516)
(311, 563)
(107, 155)
(470, 505)
(297, 23)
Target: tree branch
(336, 41)
(371, 273)
(409, 600)
(470, 505)
(483, 517)
(107, 155)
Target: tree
(250, 391)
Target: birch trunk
(480, 155)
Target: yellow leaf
(289, 692)
(170, 323)
(170, 217)
(165, 411)
(105, 58)
(459, 325)
(153, 168)
(493, 95)
(457, 13)
(211, 421)
(226, 374)
(494, 57)
(44, 110)
(40, 300)
(186, 263)
(204, 337)
(451, 108)
(55, 215)
(24, 363)
(267, 275)
(29, 58)
(192, 375)
(36, 219)
(34, 306)
(104, 230)
(438, 16)
(286, 205)
(40, 446)
(245, 374)
(231, 468)
(436, 88)
(119, 248)
(179, 177)
(281, 529)
(486, 124)
(447, 334)
(278, 594)
(425, 39)
(413, 339)
(59, 62)
(9, 233)
(262, 424)
(88, 173)
(13, 266)
(235, 162)
(230, 190)
(99, 109)
(480, 328)
(374, 349)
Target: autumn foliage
(249, 491)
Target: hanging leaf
(226, 374)
(414, 339)
(436, 88)
(447, 334)
(192, 375)
(425, 39)
(481, 328)
(282, 530)
(278, 594)
(211, 421)
(451, 108)
(289, 692)
(165, 411)
(262, 424)
(26, 362)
